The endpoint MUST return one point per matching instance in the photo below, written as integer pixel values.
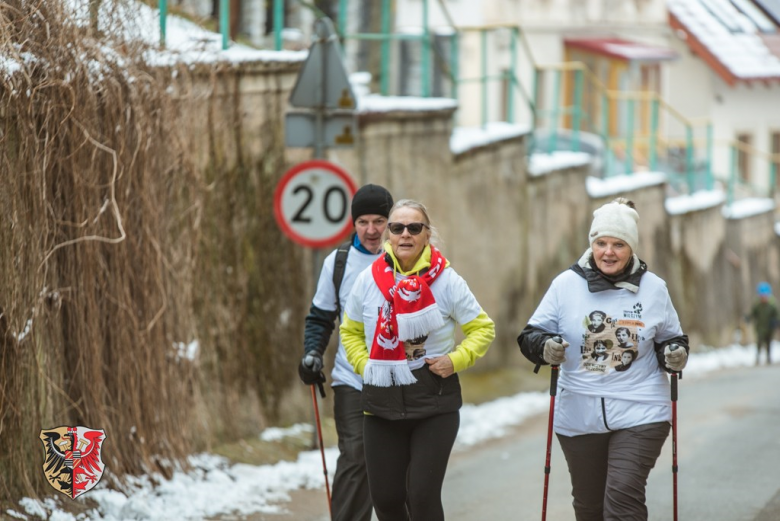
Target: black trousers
(609, 471)
(764, 343)
(351, 500)
(406, 461)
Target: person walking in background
(611, 418)
(764, 316)
(371, 205)
(399, 335)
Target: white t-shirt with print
(600, 361)
(455, 300)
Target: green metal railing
(628, 124)
(385, 37)
(510, 76)
(163, 21)
(224, 24)
(735, 181)
(637, 130)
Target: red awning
(621, 49)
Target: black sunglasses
(414, 228)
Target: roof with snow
(621, 49)
(736, 38)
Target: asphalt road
(728, 456)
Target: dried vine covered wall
(143, 287)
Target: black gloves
(310, 369)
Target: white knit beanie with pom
(616, 220)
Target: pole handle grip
(554, 370)
(674, 387)
(678, 374)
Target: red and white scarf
(410, 312)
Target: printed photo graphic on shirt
(610, 344)
(601, 349)
(623, 336)
(596, 353)
(596, 321)
(415, 348)
(627, 357)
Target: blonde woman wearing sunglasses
(398, 331)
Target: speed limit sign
(312, 203)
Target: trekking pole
(322, 447)
(548, 456)
(674, 440)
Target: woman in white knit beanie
(611, 419)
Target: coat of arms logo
(73, 461)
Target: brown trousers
(609, 471)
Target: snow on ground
(215, 487)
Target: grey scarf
(598, 281)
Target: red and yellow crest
(72, 458)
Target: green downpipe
(484, 79)
(629, 163)
(689, 158)
(653, 134)
(278, 23)
(454, 57)
(224, 22)
(163, 21)
(426, 53)
(552, 143)
(343, 23)
(710, 181)
(535, 116)
(384, 81)
(512, 80)
(732, 176)
(772, 178)
(576, 120)
(608, 168)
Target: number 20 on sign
(312, 203)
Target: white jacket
(325, 298)
(609, 382)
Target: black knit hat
(371, 200)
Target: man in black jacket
(370, 208)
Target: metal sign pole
(319, 121)
(320, 29)
(323, 90)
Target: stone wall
(506, 232)
(252, 285)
